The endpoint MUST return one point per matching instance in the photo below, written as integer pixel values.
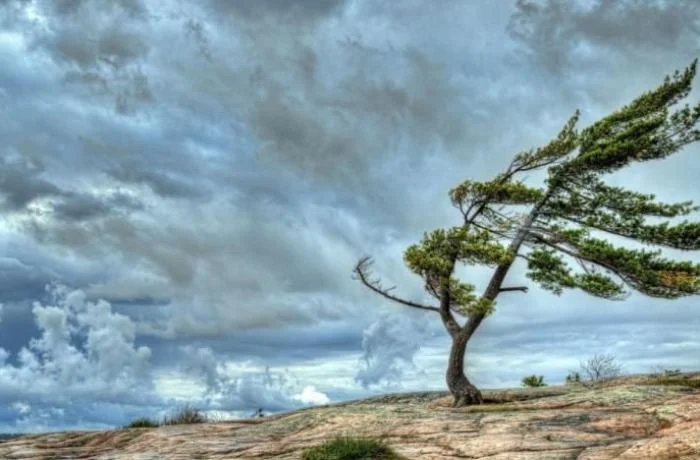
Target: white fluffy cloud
(85, 353)
(310, 395)
(234, 387)
(83, 350)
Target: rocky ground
(632, 418)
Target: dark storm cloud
(21, 183)
(69, 8)
(305, 9)
(83, 206)
(99, 45)
(163, 184)
(556, 31)
(198, 33)
(113, 47)
(178, 252)
(337, 135)
(302, 343)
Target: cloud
(309, 395)
(84, 206)
(194, 265)
(84, 349)
(23, 189)
(21, 183)
(98, 45)
(389, 346)
(556, 32)
(84, 352)
(247, 389)
(162, 184)
(300, 10)
(132, 8)
(314, 132)
(300, 126)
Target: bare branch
(513, 288)
(601, 367)
(362, 273)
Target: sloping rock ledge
(632, 418)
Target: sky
(185, 187)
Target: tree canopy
(569, 219)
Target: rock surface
(632, 418)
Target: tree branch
(361, 270)
(513, 288)
(434, 291)
(445, 310)
(579, 257)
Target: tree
(547, 227)
(600, 368)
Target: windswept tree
(561, 230)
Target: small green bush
(348, 448)
(533, 381)
(143, 422)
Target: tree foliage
(573, 215)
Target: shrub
(143, 422)
(660, 371)
(534, 381)
(573, 377)
(349, 448)
(185, 416)
(600, 368)
(679, 382)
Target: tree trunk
(463, 391)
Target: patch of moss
(349, 448)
